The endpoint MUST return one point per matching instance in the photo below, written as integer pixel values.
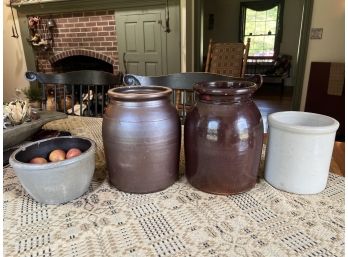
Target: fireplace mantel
(58, 6)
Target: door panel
(131, 36)
(133, 67)
(149, 37)
(151, 68)
(141, 37)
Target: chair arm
(31, 76)
(130, 80)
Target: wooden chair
(182, 84)
(227, 58)
(81, 92)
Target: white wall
(14, 60)
(328, 15)
(226, 21)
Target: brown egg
(57, 155)
(73, 152)
(38, 160)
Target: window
(261, 21)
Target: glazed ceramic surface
(223, 138)
(55, 182)
(141, 136)
(299, 151)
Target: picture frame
(316, 33)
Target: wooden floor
(337, 165)
(269, 100)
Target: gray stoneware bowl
(55, 182)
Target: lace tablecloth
(179, 221)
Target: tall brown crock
(141, 136)
(223, 138)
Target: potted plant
(33, 93)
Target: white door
(141, 42)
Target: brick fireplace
(88, 28)
(83, 40)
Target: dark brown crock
(223, 138)
(141, 136)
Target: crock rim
(203, 88)
(129, 92)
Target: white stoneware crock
(299, 151)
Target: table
(179, 221)
(337, 162)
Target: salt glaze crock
(223, 138)
(299, 151)
(141, 136)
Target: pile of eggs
(56, 155)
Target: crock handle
(257, 78)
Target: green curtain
(261, 5)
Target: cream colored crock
(299, 151)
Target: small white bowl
(55, 182)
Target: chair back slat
(228, 58)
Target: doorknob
(124, 62)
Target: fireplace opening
(92, 99)
(81, 62)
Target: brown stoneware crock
(141, 136)
(223, 138)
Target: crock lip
(50, 165)
(202, 88)
(273, 120)
(118, 92)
